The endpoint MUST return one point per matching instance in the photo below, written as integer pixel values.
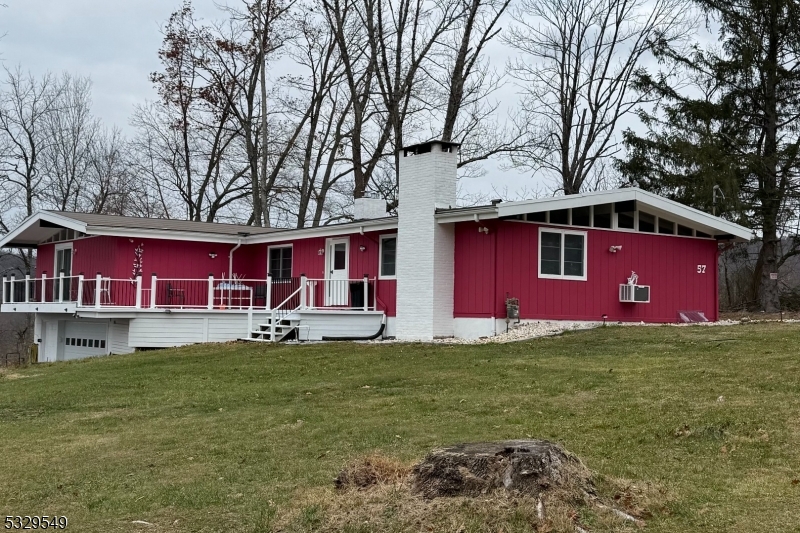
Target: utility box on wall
(634, 293)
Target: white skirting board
(474, 328)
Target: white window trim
(544, 229)
(380, 256)
(276, 246)
(63, 246)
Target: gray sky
(114, 42)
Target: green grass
(226, 437)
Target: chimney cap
(425, 147)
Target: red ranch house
(107, 284)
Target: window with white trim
(388, 256)
(562, 254)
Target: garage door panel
(85, 339)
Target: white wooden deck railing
(207, 293)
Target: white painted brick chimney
(425, 249)
(369, 207)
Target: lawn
(236, 437)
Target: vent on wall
(692, 317)
(634, 293)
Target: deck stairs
(285, 329)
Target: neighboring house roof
(652, 203)
(43, 225)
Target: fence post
(80, 289)
(268, 301)
(138, 301)
(366, 292)
(27, 288)
(211, 291)
(4, 290)
(303, 291)
(153, 294)
(98, 285)
(13, 279)
(60, 286)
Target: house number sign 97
(701, 269)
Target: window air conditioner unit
(634, 293)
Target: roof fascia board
(141, 233)
(322, 231)
(35, 218)
(565, 202)
(467, 216)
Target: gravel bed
(546, 328)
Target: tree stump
(527, 467)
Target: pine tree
(736, 125)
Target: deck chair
(178, 294)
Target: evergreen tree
(736, 125)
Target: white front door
(50, 342)
(63, 263)
(336, 273)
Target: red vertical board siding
(113, 257)
(667, 263)
(473, 275)
(90, 256)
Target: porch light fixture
(212, 255)
(615, 249)
(321, 251)
(362, 248)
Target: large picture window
(280, 262)
(562, 254)
(388, 256)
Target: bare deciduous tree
(577, 67)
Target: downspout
(230, 259)
(230, 272)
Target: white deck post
(375, 295)
(44, 287)
(303, 291)
(272, 326)
(98, 285)
(366, 293)
(4, 290)
(13, 279)
(268, 301)
(27, 288)
(61, 286)
(80, 289)
(138, 303)
(153, 293)
(211, 291)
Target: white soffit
(31, 232)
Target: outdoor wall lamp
(321, 251)
(362, 248)
(615, 249)
(212, 255)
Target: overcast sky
(114, 42)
